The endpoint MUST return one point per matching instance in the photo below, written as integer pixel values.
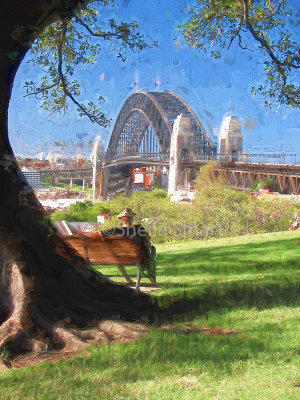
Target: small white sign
(138, 178)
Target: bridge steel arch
(160, 109)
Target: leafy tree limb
(68, 44)
(255, 25)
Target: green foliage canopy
(71, 43)
(257, 26)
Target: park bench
(122, 247)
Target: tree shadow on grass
(234, 275)
(230, 296)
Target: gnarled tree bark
(47, 300)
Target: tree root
(29, 335)
(91, 336)
(71, 342)
(18, 322)
(123, 331)
(4, 365)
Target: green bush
(262, 184)
(216, 211)
(47, 181)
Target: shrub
(216, 211)
(262, 184)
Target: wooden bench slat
(97, 248)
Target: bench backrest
(110, 250)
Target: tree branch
(118, 35)
(92, 33)
(264, 43)
(104, 35)
(242, 47)
(233, 37)
(63, 79)
(41, 90)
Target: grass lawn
(64, 185)
(254, 270)
(261, 362)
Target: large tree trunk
(46, 299)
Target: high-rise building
(32, 176)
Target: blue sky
(211, 87)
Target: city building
(32, 176)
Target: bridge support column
(187, 177)
(105, 180)
(100, 183)
(83, 184)
(174, 160)
(71, 183)
(94, 178)
(179, 142)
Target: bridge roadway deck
(68, 173)
(136, 161)
(73, 173)
(80, 173)
(238, 174)
(280, 169)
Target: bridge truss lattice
(145, 123)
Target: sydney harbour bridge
(145, 123)
(141, 138)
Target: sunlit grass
(63, 185)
